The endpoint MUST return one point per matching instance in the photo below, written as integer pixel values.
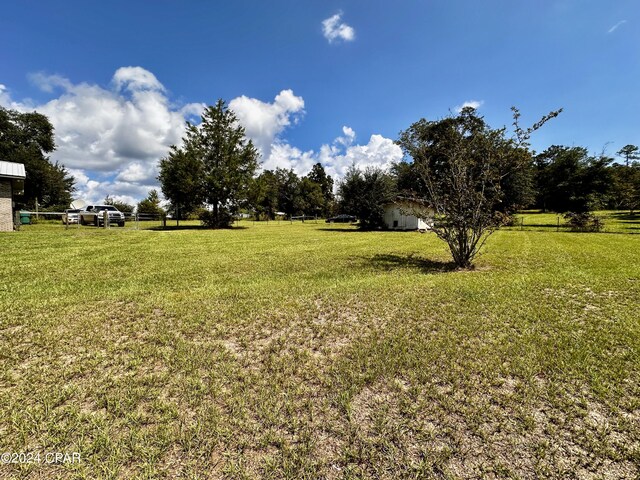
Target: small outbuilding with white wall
(12, 177)
(407, 214)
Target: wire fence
(611, 222)
(145, 221)
(68, 221)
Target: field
(312, 351)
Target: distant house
(407, 214)
(12, 177)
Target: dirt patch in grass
(494, 429)
(322, 332)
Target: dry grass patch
(288, 351)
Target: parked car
(70, 215)
(93, 215)
(344, 218)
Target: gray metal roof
(12, 170)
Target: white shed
(12, 176)
(407, 214)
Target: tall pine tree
(214, 167)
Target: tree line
(213, 175)
(28, 138)
(216, 166)
(560, 179)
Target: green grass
(308, 351)
(614, 222)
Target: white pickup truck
(94, 215)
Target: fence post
(522, 223)
(105, 219)
(16, 221)
(558, 227)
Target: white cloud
(616, 26)
(135, 79)
(102, 129)
(334, 29)
(286, 156)
(47, 83)
(7, 102)
(348, 138)
(111, 139)
(138, 172)
(119, 132)
(336, 157)
(378, 152)
(95, 190)
(263, 122)
(470, 103)
(5, 98)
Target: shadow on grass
(341, 230)
(410, 262)
(191, 227)
(356, 229)
(626, 216)
(536, 225)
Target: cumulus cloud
(7, 102)
(111, 138)
(105, 129)
(378, 152)
(117, 133)
(470, 103)
(96, 189)
(348, 136)
(135, 79)
(333, 28)
(47, 83)
(263, 122)
(5, 98)
(616, 26)
(337, 156)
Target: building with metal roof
(12, 177)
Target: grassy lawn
(309, 351)
(614, 222)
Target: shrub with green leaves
(584, 222)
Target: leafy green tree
(408, 179)
(625, 187)
(263, 195)
(320, 177)
(216, 161)
(282, 190)
(124, 207)
(365, 193)
(27, 138)
(180, 178)
(630, 154)
(519, 186)
(229, 162)
(464, 164)
(289, 200)
(151, 204)
(570, 180)
(312, 201)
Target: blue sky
(118, 79)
